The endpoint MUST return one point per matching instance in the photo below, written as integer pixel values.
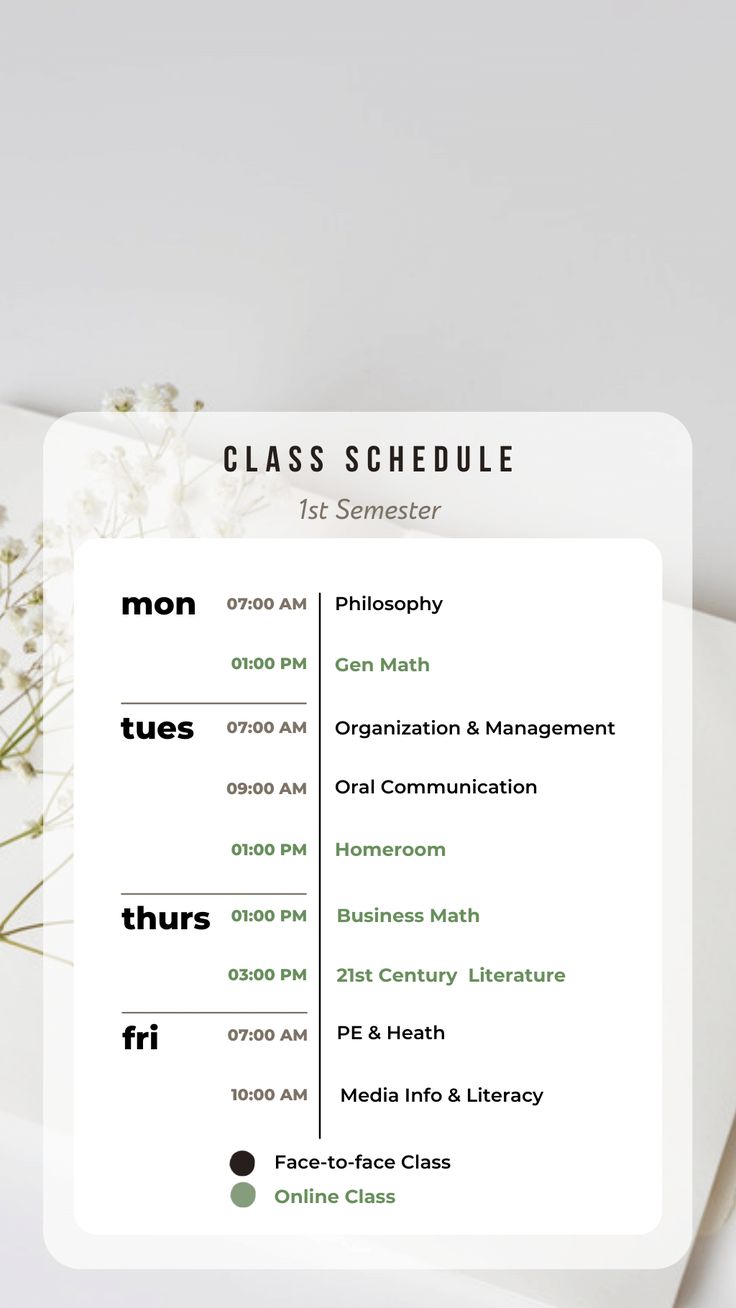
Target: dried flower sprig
(116, 503)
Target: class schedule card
(379, 859)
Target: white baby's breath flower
(30, 647)
(34, 625)
(11, 549)
(179, 493)
(135, 505)
(22, 768)
(179, 448)
(56, 566)
(3, 514)
(17, 616)
(121, 400)
(156, 397)
(57, 632)
(179, 524)
(95, 461)
(149, 470)
(15, 680)
(226, 488)
(116, 477)
(86, 510)
(48, 535)
(4, 658)
(229, 525)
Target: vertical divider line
(319, 865)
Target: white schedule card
(379, 910)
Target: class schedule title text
(370, 458)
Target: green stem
(20, 836)
(26, 568)
(17, 735)
(18, 944)
(64, 777)
(11, 703)
(31, 893)
(11, 746)
(37, 926)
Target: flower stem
(18, 944)
(20, 836)
(37, 926)
(32, 892)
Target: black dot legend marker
(242, 1163)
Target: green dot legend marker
(243, 1194)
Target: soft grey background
(402, 204)
(502, 204)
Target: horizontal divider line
(214, 1012)
(199, 894)
(296, 703)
